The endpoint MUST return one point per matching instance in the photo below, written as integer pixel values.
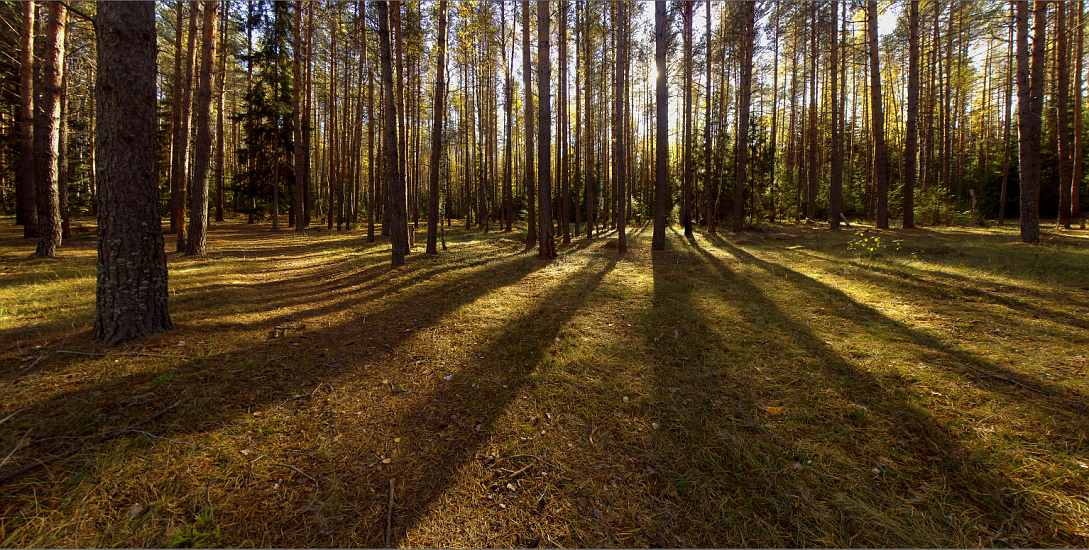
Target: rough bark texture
(661, 160)
(561, 149)
(1075, 182)
(202, 146)
(748, 44)
(395, 183)
(547, 248)
(27, 211)
(1029, 103)
(47, 195)
(619, 130)
(880, 167)
(436, 137)
(180, 177)
(221, 76)
(911, 146)
(707, 179)
(686, 141)
(131, 291)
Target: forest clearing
(782, 387)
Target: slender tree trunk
(686, 139)
(1007, 141)
(621, 160)
(880, 167)
(661, 162)
(202, 146)
(308, 191)
(835, 186)
(181, 176)
(131, 291)
(26, 184)
(47, 195)
(547, 246)
(562, 123)
(748, 44)
(508, 107)
(527, 75)
(297, 126)
(707, 179)
(910, 147)
(62, 146)
(222, 85)
(176, 116)
(814, 172)
(436, 135)
(1063, 97)
(1075, 181)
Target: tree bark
(436, 135)
(748, 44)
(707, 179)
(911, 147)
(222, 86)
(527, 75)
(835, 186)
(1063, 97)
(47, 193)
(547, 246)
(296, 109)
(661, 161)
(686, 139)
(561, 148)
(26, 184)
(1075, 181)
(619, 129)
(131, 291)
(202, 146)
(880, 162)
(180, 178)
(814, 59)
(1029, 110)
(395, 182)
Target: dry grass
(775, 388)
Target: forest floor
(782, 387)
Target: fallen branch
(8, 417)
(984, 374)
(77, 448)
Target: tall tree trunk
(1063, 97)
(308, 191)
(661, 161)
(527, 75)
(176, 114)
(395, 182)
(508, 107)
(131, 291)
(1007, 141)
(686, 139)
(562, 125)
(47, 195)
(1075, 179)
(436, 135)
(222, 86)
(835, 186)
(814, 172)
(618, 131)
(180, 178)
(707, 179)
(296, 114)
(62, 146)
(748, 44)
(1030, 85)
(202, 146)
(911, 146)
(547, 246)
(26, 183)
(880, 163)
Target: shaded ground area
(782, 387)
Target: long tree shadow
(780, 417)
(948, 357)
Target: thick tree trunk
(398, 219)
(26, 183)
(661, 161)
(202, 146)
(910, 148)
(47, 193)
(436, 135)
(131, 291)
(880, 167)
(748, 44)
(1029, 107)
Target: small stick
(300, 472)
(8, 417)
(153, 436)
(389, 513)
(125, 355)
(520, 472)
(18, 446)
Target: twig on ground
(8, 417)
(389, 514)
(300, 472)
(18, 445)
(153, 436)
(126, 355)
(108, 435)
